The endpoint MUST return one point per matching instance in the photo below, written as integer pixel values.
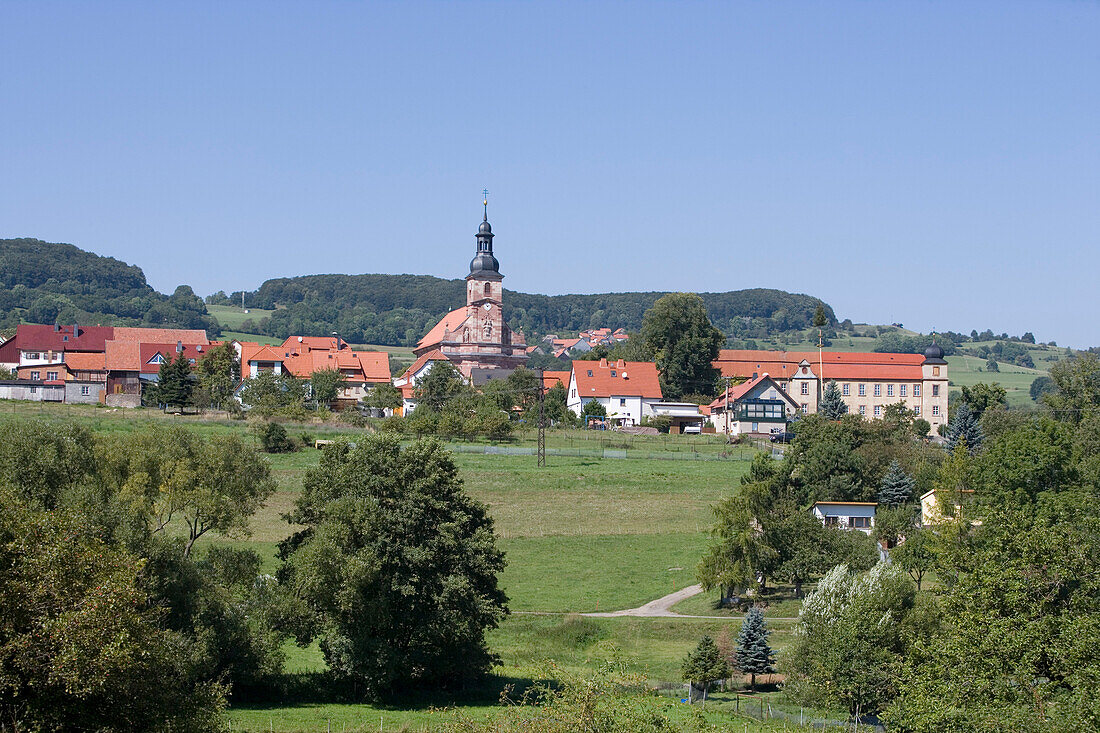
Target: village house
(626, 389)
(932, 507)
(301, 356)
(408, 380)
(868, 382)
(848, 515)
(759, 406)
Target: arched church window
(488, 289)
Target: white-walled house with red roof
(626, 389)
(409, 378)
(759, 406)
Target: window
(805, 409)
(863, 390)
(34, 390)
(859, 522)
(916, 410)
(574, 393)
(863, 409)
(51, 376)
(613, 373)
(36, 376)
(935, 371)
(846, 389)
(590, 372)
(805, 388)
(878, 390)
(32, 355)
(488, 290)
(85, 390)
(903, 390)
(935, 409)
(916, 390)
(832, 521)
(935, 390)
(622, 402)
(889, 390)
(878, 410)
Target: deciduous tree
(396, 569)
(684, 344)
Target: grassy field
(231, 316)
(969, 370)
(581, 534)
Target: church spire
(485, 265)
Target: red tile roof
(161, 335)
(123, 356)
(36, 337)
(450, 322)
(632, 379)
(435, 355)
(148, 352)
(783, 365)
(86, 361)
(550, 378)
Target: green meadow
(581, 534)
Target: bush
(273, 438)
(392, 424)
(663, 423)
(306, 439)
(921, 427)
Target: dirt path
(660, 607)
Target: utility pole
(542, 421)
(820, 367)
(728, 380)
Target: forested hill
(399, 309)
(46, 282)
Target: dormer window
(590, 372)
(613, 373)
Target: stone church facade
(477, 336)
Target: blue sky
(931, 163)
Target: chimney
(76, 330)
(620, 363)
(300, 339)
(179, 347)
(603, 363)
(56, 328)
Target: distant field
(231, 316)
(969, 370)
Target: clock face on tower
(488, 306)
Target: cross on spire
(485, 202)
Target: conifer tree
(754, 654)
(896, 487)
(832, 405)
(964, 426)
(174, 384)
(704, 665)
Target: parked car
(782, 437)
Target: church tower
(484, 290)
(476, 338)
